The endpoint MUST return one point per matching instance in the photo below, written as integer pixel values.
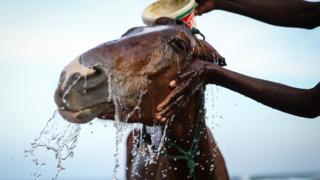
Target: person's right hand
(205, 6)
(182, 88)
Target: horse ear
(131, 30)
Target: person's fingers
(157, 116)
(204, 6)
(170, 98)
(168, 113)
(173, 95)
(168, 108)
(165, 116)
(181, 77)
(172, 106)
(184, 76)
(163, 119)
(181, 87)
(198, 11)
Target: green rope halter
(191, 154)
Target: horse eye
(179, 45)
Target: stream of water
(57, 137)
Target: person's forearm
(288, 13)
(300, 102)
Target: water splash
(59, 137)
(109, 88)
(145, 154)
(121, 124)
(159, 139)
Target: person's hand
(187, 83)
(204, 6)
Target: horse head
(129, 76)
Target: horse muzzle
(82, 93)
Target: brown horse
(126, 79)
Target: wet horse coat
(125, 79)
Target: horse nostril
(94, 80)
(96, 71)
(90, 71)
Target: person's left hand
(187, 82)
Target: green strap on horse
(190, 155)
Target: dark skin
(287, 13)
(306, 102)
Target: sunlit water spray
(58, 137)
(145, 154)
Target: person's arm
(299, 102)
(288, 13)
(296, 101)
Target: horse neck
(182, 131)
(182, 128)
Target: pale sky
(38, 38)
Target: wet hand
(205, 6)
(183, 87)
